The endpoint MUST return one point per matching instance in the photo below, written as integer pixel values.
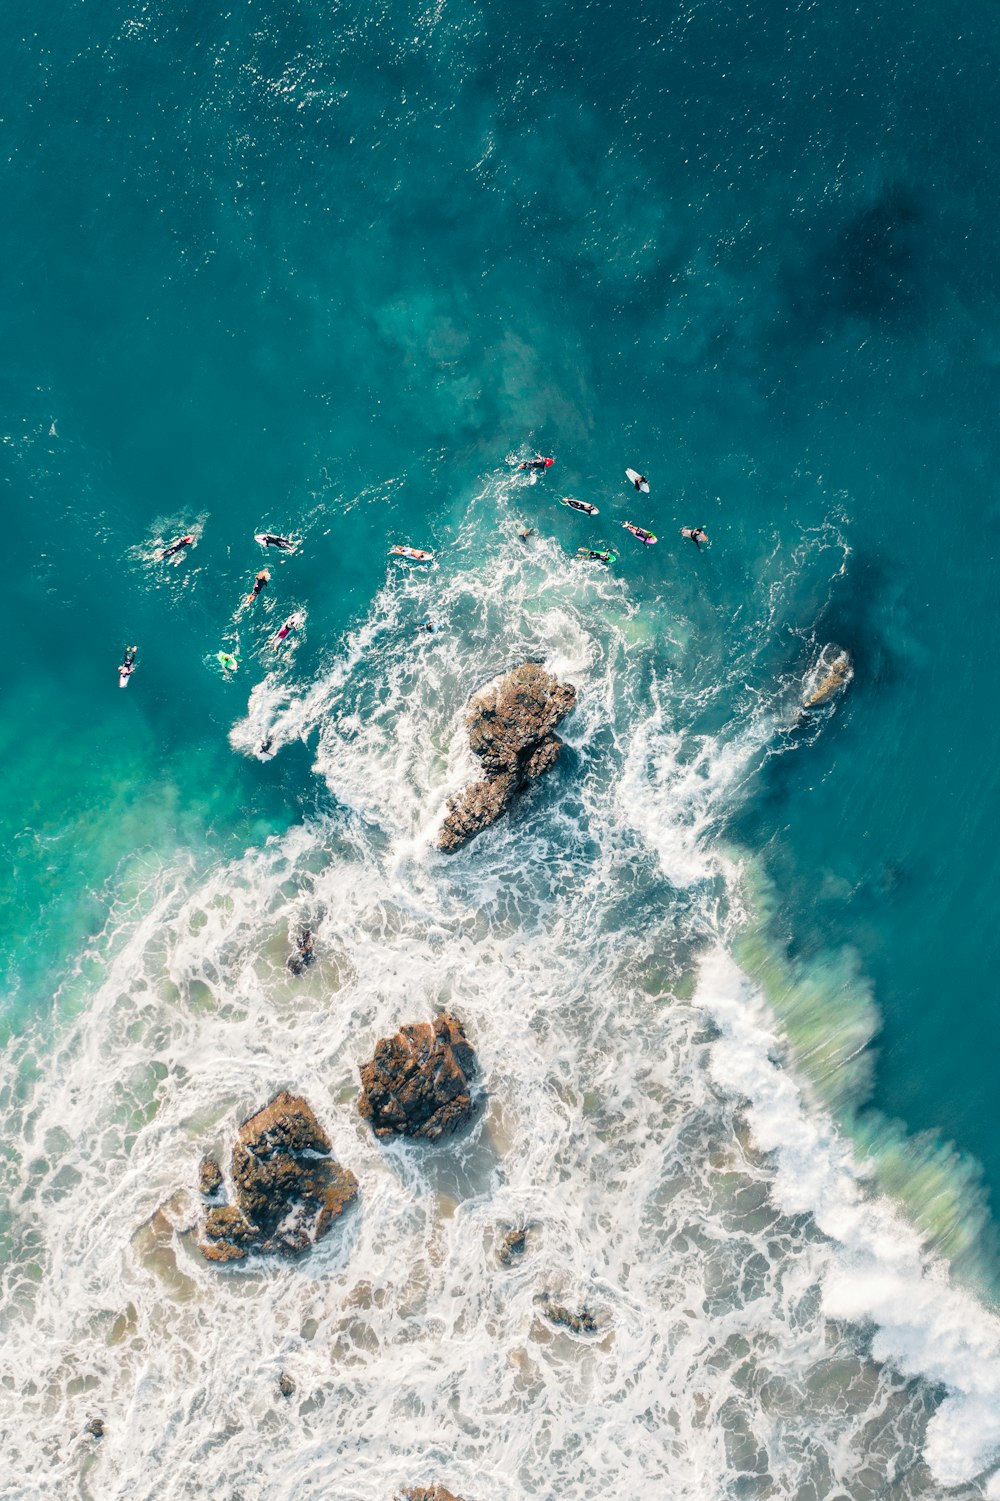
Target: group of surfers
(229, 661)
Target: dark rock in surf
(303, 955)
(511, 728)
(581, 1322)
(427, 1493)
(417, 1083)
(209, 1176)
(512, 1246)
(286, 1385)
(288, 1188)
(95, 1428)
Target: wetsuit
(269, 539)
(181, 542)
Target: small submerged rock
(95, 1428)
(417, 1083)
(288, 1188)
(286, 1385)
(512, 1246)
(832, 672)
(579, 1322)
(427, 1493)
(510, 727)
(303, 954)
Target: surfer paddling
(127, 666)
(260, 582)
(646, 538)
(695, 534)
(538, 462)
(272, 539)
(176, 547)
(412, 554)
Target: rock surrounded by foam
(288, 1188)
(428, 1493)
(511, 729)
(417, 1083)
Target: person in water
(227, 661)
(271, 539)
(640, 531)
(527, 534)
(695, 534)
(128, 661)
(177, 546)
(597, 557)
(260, 582)
(428, 626)
(538, 462)
(642, 480)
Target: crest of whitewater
(333, 273)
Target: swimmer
(260, 582)
(527, 534)
(695, 534)
(178, 546)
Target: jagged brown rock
(209, 1176)
(582, 1322)
(427, 1493)
(417, 1083)
(511, 728)
(512, 1246)
(288, 1188)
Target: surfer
(538, 462)
(291, 624)
(177, 546)
(260, 582)
(228, 661)
(579, 505)
(428, 626)
(597, 557)
(127, 666)
(695, 534)
(271, 539)
(527, 534)
(646, 538)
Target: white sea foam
(728, 1286)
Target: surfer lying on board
(271, 539)
(538, 462)
(260, 582)
(639, 481)
(127, 667)
(177, 546)
(695, 534)
(228, 661)
(597, 557)
(646, 538)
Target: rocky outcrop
(417, 1083)
(833, 671)
(288, 1188)
(511, 728)
(427, 1493)
(209, 1176)
(286, 1385)
(512, 1246)
(577, 1322)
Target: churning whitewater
(766, 1323)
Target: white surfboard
(638, 481)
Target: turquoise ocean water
(329, 269)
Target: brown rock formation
(511, 729)
(416, 1084)
(427, 1493)
(209, 1176)
(289, 1190)
(582, 1322)
(512, 1246)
